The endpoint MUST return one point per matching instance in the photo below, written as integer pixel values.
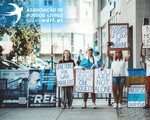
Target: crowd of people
(118, 65)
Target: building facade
(77, 33)
(134, 12)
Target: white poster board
(65, 74)
(119, 36)
(84, 81)
(136, 96)
(146, 36)
(103, 81)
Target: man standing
(90, 62)
(147, 83)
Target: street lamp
(51, 46)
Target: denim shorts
(119, 80)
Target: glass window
(103, 4)
(78, 42)
(70, 2)
(104, 45)
(44, 37)
(75, 2)
(48, 2)
(87, 11)
(45, 2)
(67, 41)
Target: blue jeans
(119, 80)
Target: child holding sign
(90, 62)
(66, 92)
(147, 83)
(118, 67)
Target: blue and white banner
(42, 88)
(46, 13)
(95, 63)
(13, 88)
(136, 96)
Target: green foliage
(1, 50)
(24, 36)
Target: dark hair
(63, 57)
(116, 58)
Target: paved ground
(133, 113)
(102, 112)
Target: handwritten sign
(103, 81)
(65, 74)
(136, 96)
(84, 81)
(146, 36)
(118, 35)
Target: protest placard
(119, 36)
(84, 81)
(65, 74)
(102, 81)
(136, 96)
(146, 36)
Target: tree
(1, 50)
(24, 35)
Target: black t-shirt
(67, 61)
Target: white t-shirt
(119, 67)
(147, 67)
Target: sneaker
(119, 105)
(115, 105)
(93, 105)
(70, 107)
(84, 105)
(62, 107)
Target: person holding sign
(118, 67)
(90, 62)
(147, 83)
(67, 92)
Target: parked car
(40, 64)
(6, 64)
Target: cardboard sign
(136, 96)
(65, 74)
(146, 36)
(103, 81)
(84, 81)
(119, 36)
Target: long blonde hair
(63, 57)
(116, 58)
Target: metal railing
(106, 96)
